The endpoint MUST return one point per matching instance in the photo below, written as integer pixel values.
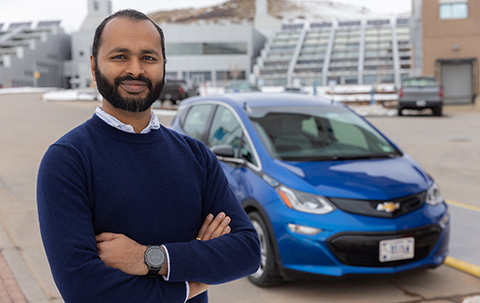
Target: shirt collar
(114, 122)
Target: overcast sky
(72, 13)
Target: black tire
(437, 111)
(267, 274)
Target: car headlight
(304, 202)
(434, 197)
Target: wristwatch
(155, 259)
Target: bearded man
(126, 206)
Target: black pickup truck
(420, 93)
(175, 90)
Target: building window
(453, 9)
(230, 75)
(199, 49)
(369, 79)
(198, 77)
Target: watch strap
(152, 273)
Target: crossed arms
(120, 252)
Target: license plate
(397, 249)
(421, 103)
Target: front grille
(370, 207)
(362, 249)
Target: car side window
(226, 130)
(196, 120)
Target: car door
(226, 129)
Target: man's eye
(149, 58)
(118, 57)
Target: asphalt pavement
(29, 125)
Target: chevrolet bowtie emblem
(388, 207)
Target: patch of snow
(325, 9)
(24, 90)
(72, 95)
(475, 299)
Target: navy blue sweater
(155, 188)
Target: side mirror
(226, 153)
(223, 151)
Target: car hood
(376, 179)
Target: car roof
(259, 99)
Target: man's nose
(135, 68)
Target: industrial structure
(78, 68)
(366, 51)
(33, 55)
(439, 38)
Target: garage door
(457, 82)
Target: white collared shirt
(114, 122)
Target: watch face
(155, 257)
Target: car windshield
(241, 85)
(318, 134)
(420, 82)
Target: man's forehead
(125, 28)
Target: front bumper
(338, 253)
(419, 104)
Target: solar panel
(43, 24)
(19, 24)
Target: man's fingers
(105, 237)
(226, 230)
(204, 227)
(216, 227)
(221, 228)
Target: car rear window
(420, 82)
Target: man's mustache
(130, 78)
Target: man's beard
(111, 94)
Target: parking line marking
(471, 207)
(469, 268)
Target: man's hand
(119, 251)
(214, 229)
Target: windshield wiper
(340, 157)
(370, 156)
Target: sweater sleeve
(66, 216)
(232, 256)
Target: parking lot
(447, 147)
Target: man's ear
(92, 67)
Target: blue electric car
(327, 192)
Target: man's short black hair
(131, 15)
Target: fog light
(445, 220)
(304, 230)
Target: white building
(78, 69)
(33, 56)
(211, 53)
